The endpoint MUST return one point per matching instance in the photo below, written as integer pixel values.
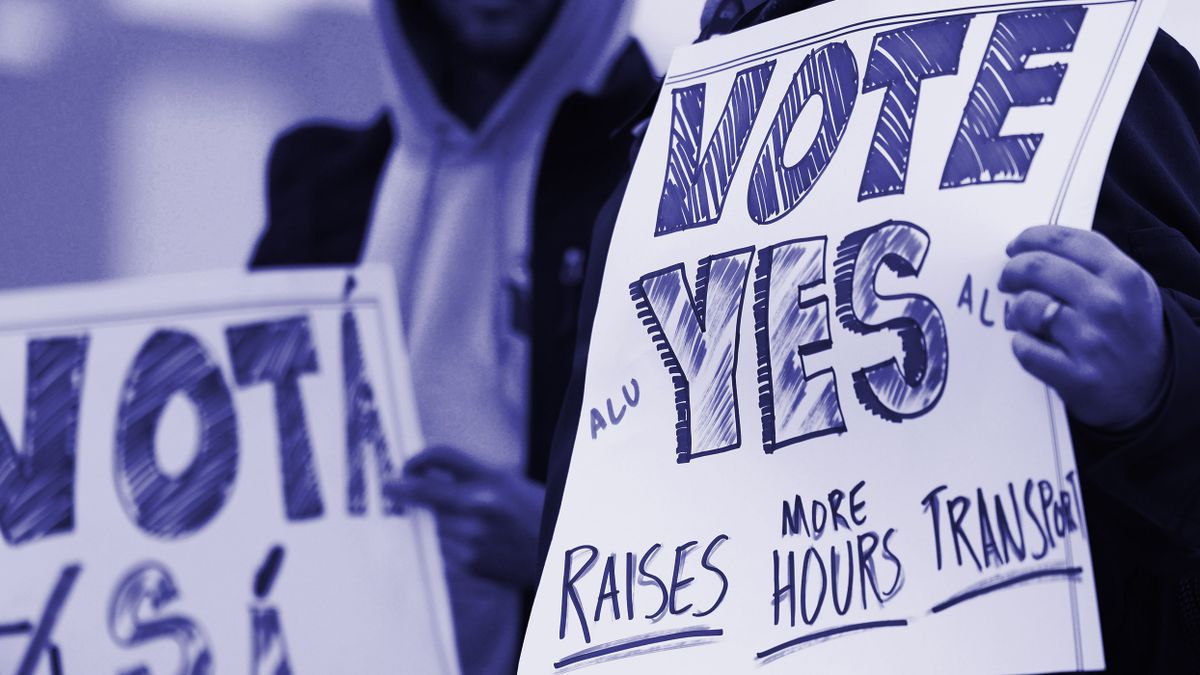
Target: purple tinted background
(134, 133)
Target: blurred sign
(192, 477)
(805, 442)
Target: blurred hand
(1088, 322)
(488, 520)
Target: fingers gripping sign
(488, 519)
(1089, 323)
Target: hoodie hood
(573, 55)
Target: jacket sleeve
(1150, 207)
(1155, 467)
(284, 234)
(321, 182)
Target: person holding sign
(1110, 319)
(479, 185)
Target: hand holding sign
(800, 263)
(1110, 311)
(488, 519)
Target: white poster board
(194, 480)
(805, 444)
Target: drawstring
(513, 293)
(424, 218)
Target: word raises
(37, 485)
(620, 578)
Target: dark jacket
(323, 179)
(1142, 488)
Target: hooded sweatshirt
(453, 217)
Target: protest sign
(805, 443)
(191, 475)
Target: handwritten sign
(805, 442)
(191, 475)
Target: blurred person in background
(1110, 319)
(479, 185)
